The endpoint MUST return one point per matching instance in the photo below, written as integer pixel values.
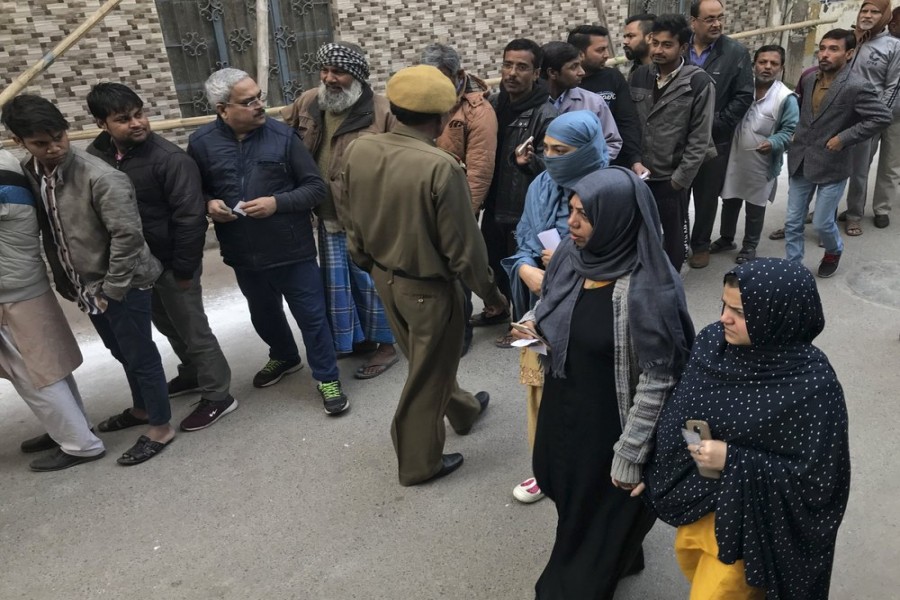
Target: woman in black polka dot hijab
(778, 424)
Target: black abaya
(600, 527)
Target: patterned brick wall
(394, 32)
(126, 46)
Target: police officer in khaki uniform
(416, 236)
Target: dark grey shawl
(626, 239)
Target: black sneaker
(59, 460)
(207, 413)
(179, 386)
(274, 371)
(334, 397)
(745, 255)
(829, 265)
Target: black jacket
(170, 199)
(270, 161)
(506, 197)
(730, 66)
(611, 85)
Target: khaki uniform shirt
(406, 206)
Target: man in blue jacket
(261, 183)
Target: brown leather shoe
(699, 260)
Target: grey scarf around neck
(626, 239)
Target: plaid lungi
(354, 309)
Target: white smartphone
(520, 150)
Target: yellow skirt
(531, 375)
(711, 579)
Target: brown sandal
(853, 228)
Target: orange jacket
(471, 135)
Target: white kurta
(747, 174)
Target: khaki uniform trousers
(428, 323)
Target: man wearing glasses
(728, 63)
(261, 183)
(523, 115)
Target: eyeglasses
(517, 67)
(710, 20)
(260, 100)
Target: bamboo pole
(780, 28)
(262, 45)
(169, 124)
(48, 59)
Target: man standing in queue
(418, 272)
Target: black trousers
(706, 189)
(672, 206)
(753, 221)
(500, 239)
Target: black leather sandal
(123, 420)
(142, 451)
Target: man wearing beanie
(416, 236)
(342, 109)
(877, 60)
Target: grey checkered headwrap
(344, 57)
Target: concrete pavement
(278, 501)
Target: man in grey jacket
(877, 59)
(839, 109)
(31, 321)
(93, 240)
(675, 103)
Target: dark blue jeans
(125, 330)
(300, 285)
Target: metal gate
(202, 36)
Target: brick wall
(128, 45)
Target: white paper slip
(691, 437)
(533, 345)
(549, 239)
(239, 209)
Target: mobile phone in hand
(520, 149)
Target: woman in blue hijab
(573, 147)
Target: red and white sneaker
(528, 491)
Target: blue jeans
(800, 194)
(125, 330)
(300, 285)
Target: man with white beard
(342, 109)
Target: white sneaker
(528, 491)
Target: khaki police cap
(421, 89)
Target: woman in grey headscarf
(615, 318)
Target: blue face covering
(580, 128)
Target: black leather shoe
(483, 399)
(59, 460)
(449, 463)
(38, 444)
